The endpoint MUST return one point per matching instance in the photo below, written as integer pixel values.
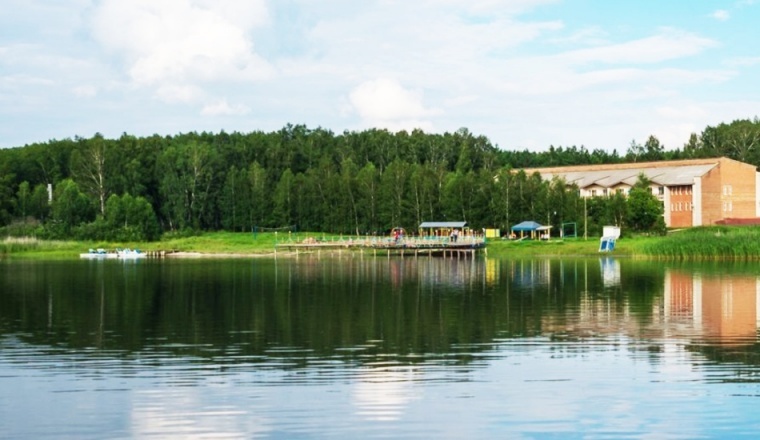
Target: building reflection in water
(605, 297)
(722, 308)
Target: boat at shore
(130, 253)
(96, 254)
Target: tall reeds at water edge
(35, 248)
(18, 244)
(701, 243)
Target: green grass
(566, 247)
(32, 248)
(707, 243)
(704, 243)
(211, 243)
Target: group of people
(454, 235)
(398, 234)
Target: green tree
(131, 219)
(348, 187)
(260, 200)
(618, 208)
(235, 200)
(89, 165)
(284, 196)
(645, 211)
(187, 170)
(500, 202)
(39, 203)
(422, 193)
(70, 207)
(6, 199)
(393, 184)
(23, 200)
(368, 195)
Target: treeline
(136, 188)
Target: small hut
(442, 229)
(534, 230)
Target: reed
(18, 244)
(29, 247)
(705, 243)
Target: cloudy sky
(527, 74)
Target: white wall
(697, 198)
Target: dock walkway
(464, 246)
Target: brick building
(694, 192)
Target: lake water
(363, 347)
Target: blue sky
(527, 74)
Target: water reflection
(377, 346)
(720, 308)
(382, 392)
(233, 310)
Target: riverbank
(720, 242)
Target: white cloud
(721, 15)
(523, 80)
(178, 93)
(511, 7)
(385, 103)
(85, 91)
(592, 36)
(667, 45)
(413, 40)
(183, 42)
(222, 107)
(639, 69)
(743, 61)
(686, 111)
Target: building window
(593, 193)
(661, 190)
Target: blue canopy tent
(530, 226)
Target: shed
(441, 228)
(530, 226)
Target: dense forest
(138, 188)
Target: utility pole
(585, 219)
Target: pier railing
(406, 242)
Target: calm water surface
(364, 348)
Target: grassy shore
(702, 243)
(708, 243)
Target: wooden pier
(463, 247)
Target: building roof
(526, 226)
(610, 178)
(424, 225)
